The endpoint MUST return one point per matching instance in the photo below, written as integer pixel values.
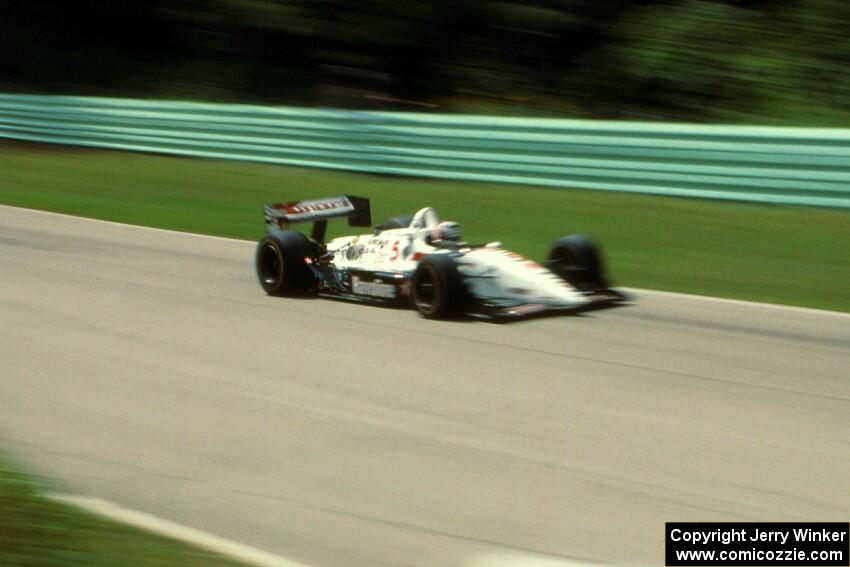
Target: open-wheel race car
(420, 261)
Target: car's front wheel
(437, 288)
(577, 260)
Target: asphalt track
(147, 368)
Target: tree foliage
(770, 61)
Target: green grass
(38, 532)
(777, 254)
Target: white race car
(419, 260)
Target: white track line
(114, 223)
(674, 294)
(659, 293)
(523, 560)
(257, 557)
(172, 530)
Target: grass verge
(775, 254)
(36, 531)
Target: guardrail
(802, 166)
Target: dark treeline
(780, 61)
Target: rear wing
(318, 211)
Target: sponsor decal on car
(307, 209)
(373, 288)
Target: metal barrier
(803, 166)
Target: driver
(445, 234)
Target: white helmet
(446, 231)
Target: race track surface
(147, 368)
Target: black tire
(402, 221)
(437, 288)
(578, 260)
(280, 264)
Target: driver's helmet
(446, 232)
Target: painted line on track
(742, 302)
(172, 530)
(123, 224)
(657, 293)
(258, 557)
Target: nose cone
(526, 281)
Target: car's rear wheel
(281, 264)
(437, 289)
(578, 260)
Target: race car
(422, 261)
